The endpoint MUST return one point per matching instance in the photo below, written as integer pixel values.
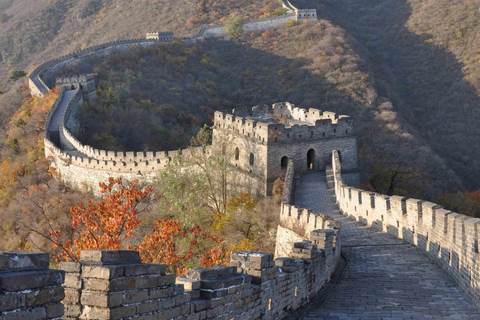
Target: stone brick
(103, 300)
(73, 280)
(18, 281)
(123, 312)
(38, 313)
(109, 256)
(72, 296)
(72, 311)
(121, 284)
(211, 273)
(70, 267)
(12, 301)
(136, 296)
(188, 284)
(23, 261)
(55, 310)
(44, 296)
(148, 281)
(147, 307)
(92, 284)
(166, 280)
(213, 294)
(161, 293)
(102, 272)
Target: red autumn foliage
(102, 225)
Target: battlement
(284, 123)
(74, 79)
(450, 239)
(307, 14)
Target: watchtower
(84, 82)
(307, 14)
(263, 139)
(160, 36)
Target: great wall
(334, 232)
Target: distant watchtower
(264, 138)
(86, 83)
(307, 14)
(160, 36)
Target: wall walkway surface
(396, 250)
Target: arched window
(284, 162)
(252, 159)
(237, 153)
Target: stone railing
(117, 285)
(448, 238)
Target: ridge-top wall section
(448, 238)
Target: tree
(17, 74)
(203, 189)
(104, 224)
(111, 224)
(234, 26)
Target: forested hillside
(33, 31)
(407, 71)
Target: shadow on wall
(424, 81)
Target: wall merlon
(414, 210)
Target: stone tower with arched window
(263, 139)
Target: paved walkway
(385, 278)
(56, 124)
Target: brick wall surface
(116, 285)
(28, 289)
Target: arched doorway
(311, 159)
(284, 162)
(72, 87)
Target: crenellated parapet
(297, 223)
(160, 36)
(448, 238)
(284, 123)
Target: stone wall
(28, 289)
(298, 223)
(448, 238)
(116, 285)
(39, 88)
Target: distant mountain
(33, 31)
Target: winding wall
(448, 238)
(298, 223)
(83, 166)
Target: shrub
(291, 23)
(17, 74)
(267, 34)
(234, 26)
(280, 12)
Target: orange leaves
(104, 224)
(175, 245)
